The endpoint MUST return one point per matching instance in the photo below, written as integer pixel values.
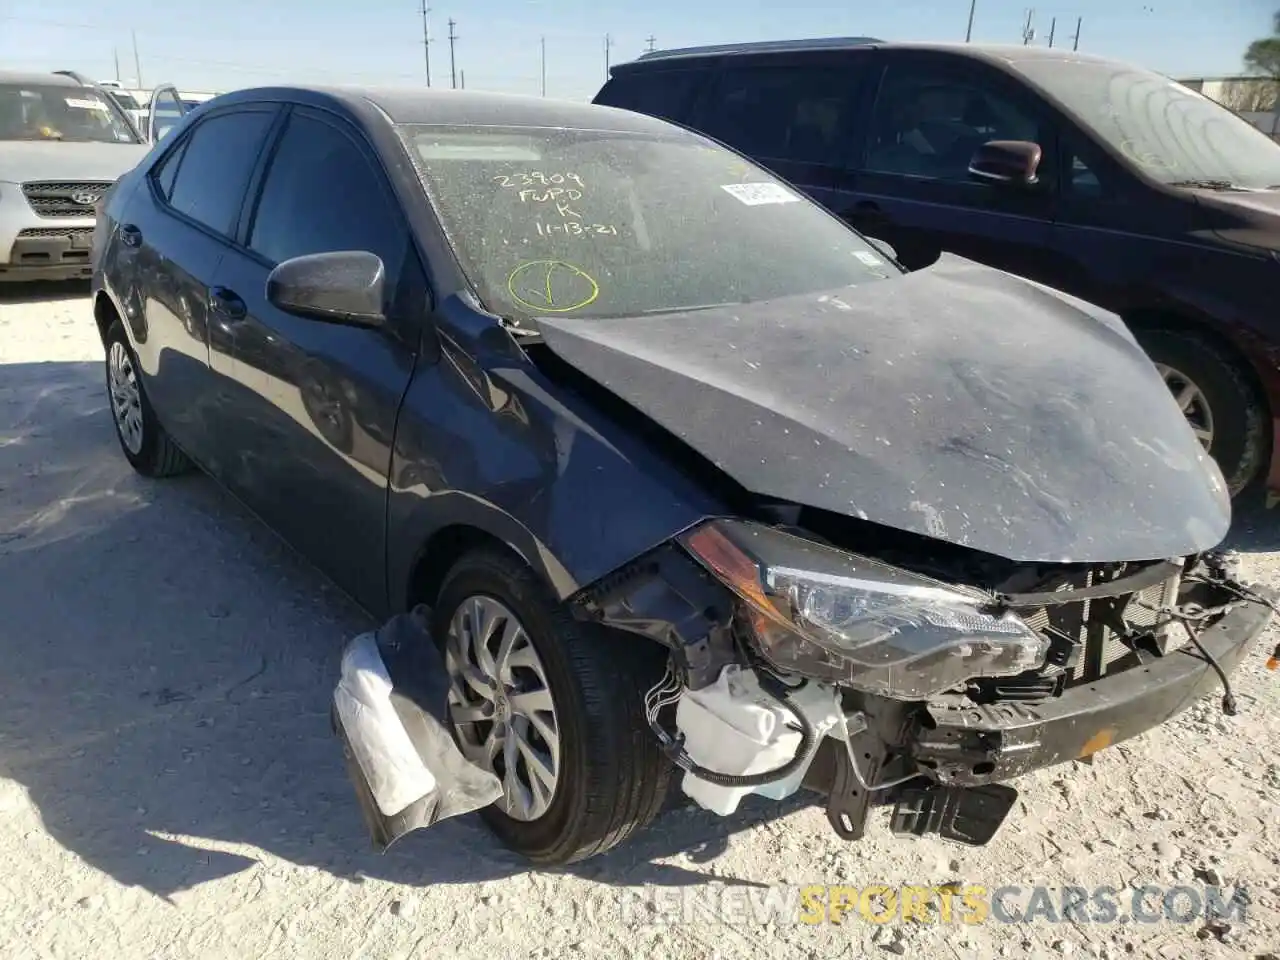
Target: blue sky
(239, 43)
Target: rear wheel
(553, 707)
(1217, 398)
(145, 444)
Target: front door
(913, 188)
(163, 113)
(318, 399)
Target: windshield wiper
(1208, 184)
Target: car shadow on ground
(168, 669)
(44, 291)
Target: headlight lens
(851, 620)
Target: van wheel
(553, 707)
(145, 444)
(1216, 397)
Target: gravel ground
(169, 786)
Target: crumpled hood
(957, 402)
(22, 160)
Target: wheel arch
(444, 548)
(105, 313)
(1157, 318)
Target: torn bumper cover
(390, 711)
(972, 744)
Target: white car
(63, 143)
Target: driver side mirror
(345, 286)
(1007, 161)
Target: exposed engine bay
(923, 675)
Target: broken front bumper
(975, 744)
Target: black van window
(929, 121)
(784, 113)
(657, 93)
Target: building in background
(1257, 99)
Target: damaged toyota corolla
(692, 478)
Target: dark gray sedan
(692, 476)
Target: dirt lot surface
(169, 786)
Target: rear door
(797, 115)
(913, 187)
(316, 402)
(176, 227)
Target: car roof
(421, 105)
(33, 77)
(1006, 53)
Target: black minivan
(1103, 180)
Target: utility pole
(462, 79)
(426, 41)
(608, 42)
(453, 73)
(137, 61)
(1075, 43)
(544, 66)
(1028, 31)
(115, 52)
(651, 40)
(1053, 26)
(968, 34)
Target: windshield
(1173, 133)
(606, 224)
(54, 112)
(125, 100)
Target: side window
(659, 93)
(785, 113)
(167, 171)
(168, 110)
(322, 194)
(216, 165)
(928, 122)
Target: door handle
(227, 303)
(130, 235)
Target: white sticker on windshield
(870, 259)
(86, 104)
(753, 194)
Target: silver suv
(63, 143)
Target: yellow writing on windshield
(551, 286)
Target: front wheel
(1217, 398)
(553, 707)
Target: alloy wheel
(126, 397)
(1191, 399)
(501, 705)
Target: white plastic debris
(390, 762)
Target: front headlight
(847, 619)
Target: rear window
(657, 93)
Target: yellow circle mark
(551, 286)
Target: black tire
(613, 777)
(1240, 443)
(158, 456)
